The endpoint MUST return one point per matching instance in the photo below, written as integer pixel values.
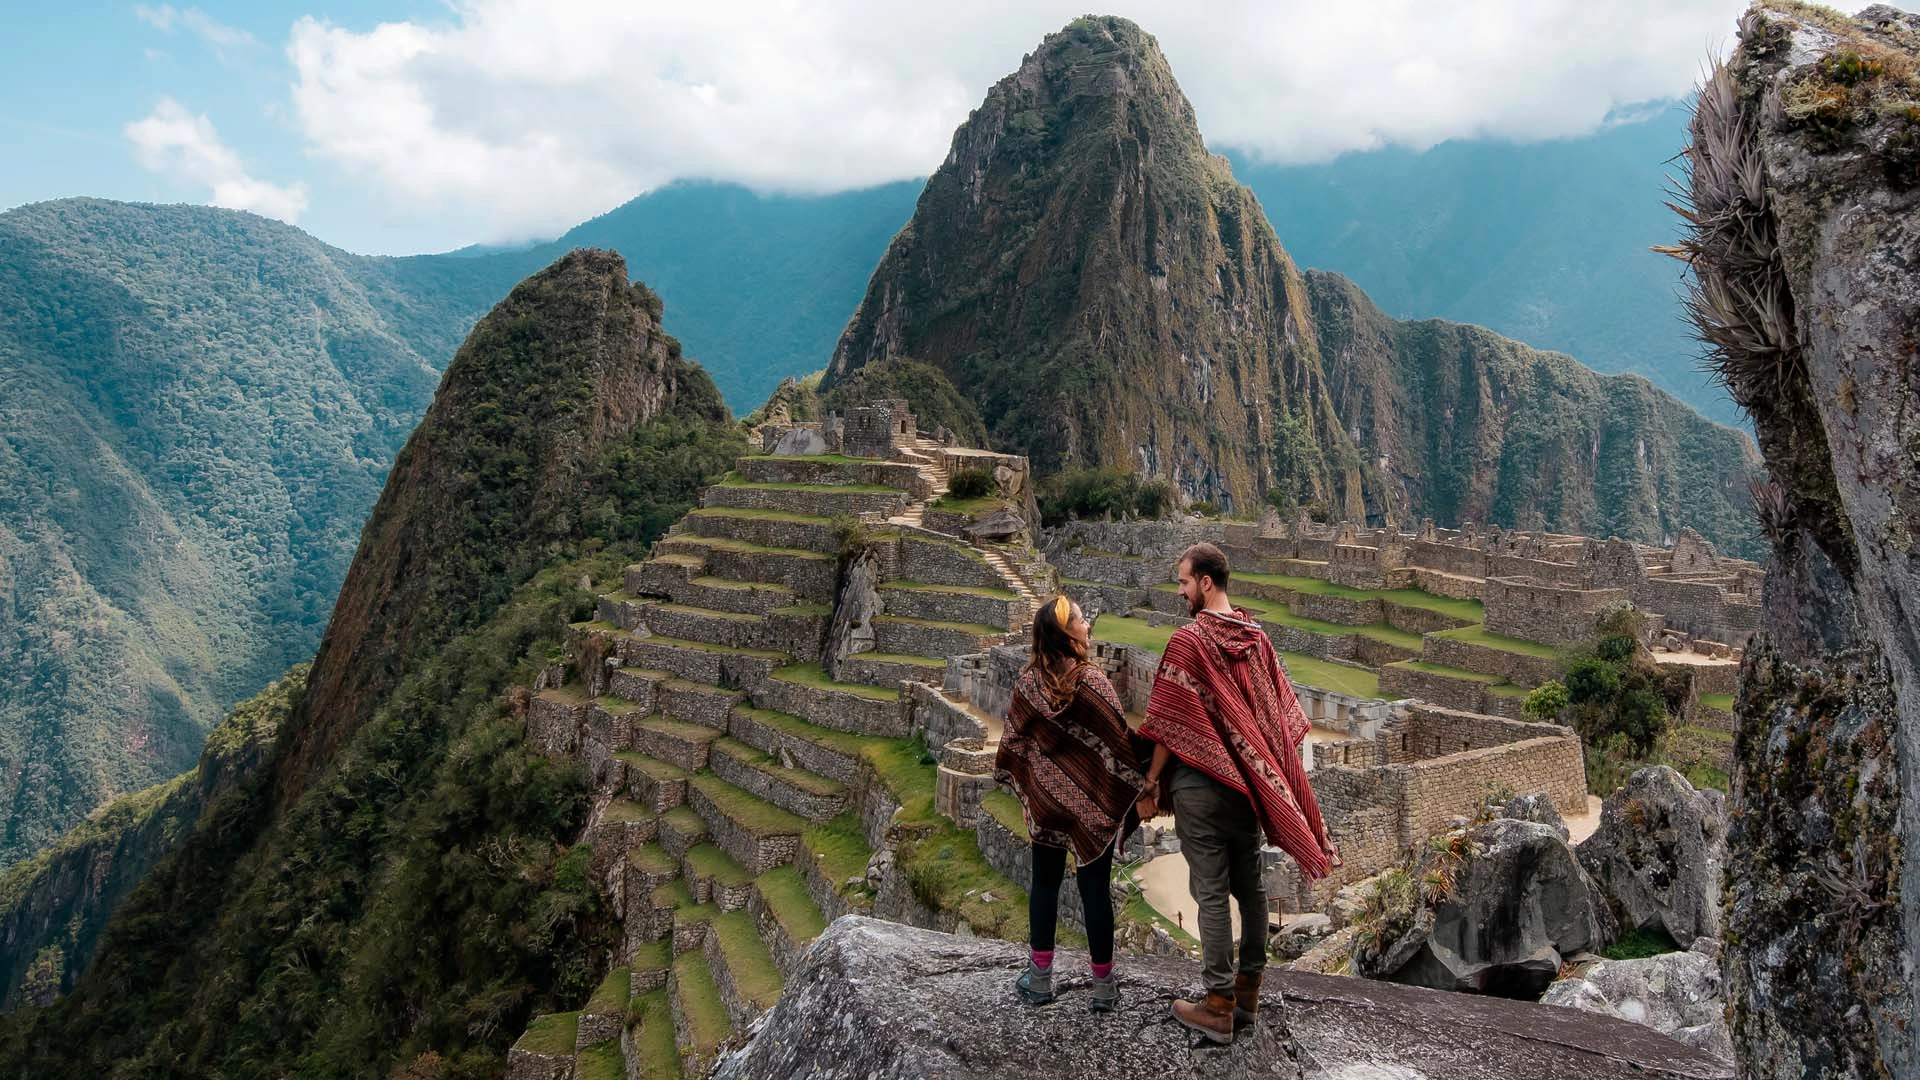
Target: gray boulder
(1538, 808)
(1657, 855)
(882, 1000)
(1677, 994)
(999, 525)
(852, 630)
(1518, 903)
(800, 442)
(877, 1000)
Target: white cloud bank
(534, 114)
(185, 146)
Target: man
(1227, 730)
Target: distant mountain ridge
(1109, 296)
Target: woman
(1076, 769)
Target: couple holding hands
(1219, 749)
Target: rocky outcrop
(1658, 855)
(1108, 295)
(1677, 994)
(493, 481)
(876, 999)
(1495, 912)
(1538, 808)
(1803, 232)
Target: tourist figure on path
(1077, 770)
(1227, 731)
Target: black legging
(1096, 900)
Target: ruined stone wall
(1522, 669)
(938, 719)
(1441, 789)
(1534, 611)
(1699, 608)
(1520, 566)
(1458, 559)
(873, 430)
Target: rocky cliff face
(1803, 236)
(1102, 287)
(879, 1000)
(1107, 294)
(493, 481)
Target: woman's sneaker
(1106, 994)
(1035, 985)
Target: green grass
(1005, 809)
(652, 955)
(785, 894)
(684, 821)
(764, 763)
(708, 861)
(1384, 632)
(814, 676)
(679, 730)
(1130, 631)
(756, 815)
(971, 507)
(969, 590)
(1507, 690)
(1722, 702)
(760, 515)
(706, 613)
(746, 547)
(946, 871)
(700, 1001)
(839, 847)
(755, 976)
(1479, 635)
(906, 772)
(616, 706)
(1325, 675)
(653, 767)
(570, 694)
(975, 629)
(602, 1061)
(844, 742)
(675, 894)
(653, 1044)
(1464, 610)
(783, 485)
(1428, 668)
(709, 647)
(553, 1033)
(652, 858)
(1640, 944)
(929, 662)
(625, 812)
(611, 996)
(707, 582)
(801, 611)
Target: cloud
(533, 115)
(174, 142)
(165, 17)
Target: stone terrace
(762, 768)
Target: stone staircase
(924, 455)
(740, 793)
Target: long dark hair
(1057, 657)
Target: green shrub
(1096, 493)
(1545, 702)
(970, 484)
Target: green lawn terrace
(743, 788)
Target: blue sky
(396, 127)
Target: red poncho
(1072, 763)
(1222, 705)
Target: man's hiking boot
(1106, 994)
(1246, 999)
(1035, 985)
(1211, 1016)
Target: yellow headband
(1060, 609)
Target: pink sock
(1042, 958)
(1101, 971)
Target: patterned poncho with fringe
(1222, 704)
(1072, 762)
